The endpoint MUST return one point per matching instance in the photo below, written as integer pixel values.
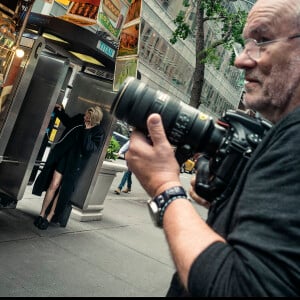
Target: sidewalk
(123, 255)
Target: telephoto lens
(183, 124)
(225, 145)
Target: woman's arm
(61, 114)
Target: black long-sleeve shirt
(261, 224)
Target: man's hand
(195, 196)
(152, 159)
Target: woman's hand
(59, 107)
(88, 125)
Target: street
(137, 190)
(122, 255)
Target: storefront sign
(128, 52)
(106, 49)
(112, 15)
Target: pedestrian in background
(127, 174)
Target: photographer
(249, 245)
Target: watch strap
(164, 199)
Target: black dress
(69, 156)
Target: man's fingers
(156, 129)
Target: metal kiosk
(52, 74)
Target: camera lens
(184, 125)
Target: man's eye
(263, 40)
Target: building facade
(169, 67)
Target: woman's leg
(53, 207)
(54, 185)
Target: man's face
(273, 77)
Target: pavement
(122, 255)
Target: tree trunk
(198, 78)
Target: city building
(169, 67)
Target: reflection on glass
(7, 41)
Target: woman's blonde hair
(96, 115)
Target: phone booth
(26, 123)
(52, 74)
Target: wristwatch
(158, 204)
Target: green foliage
(112, 149)
(186, 3)
(229, 26)
(182, 30)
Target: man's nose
(243, 61)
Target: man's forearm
(187, 234)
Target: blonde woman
(82, 136)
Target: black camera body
(224, 145)
(217, 174)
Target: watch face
(153, 210)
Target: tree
(231, 25)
